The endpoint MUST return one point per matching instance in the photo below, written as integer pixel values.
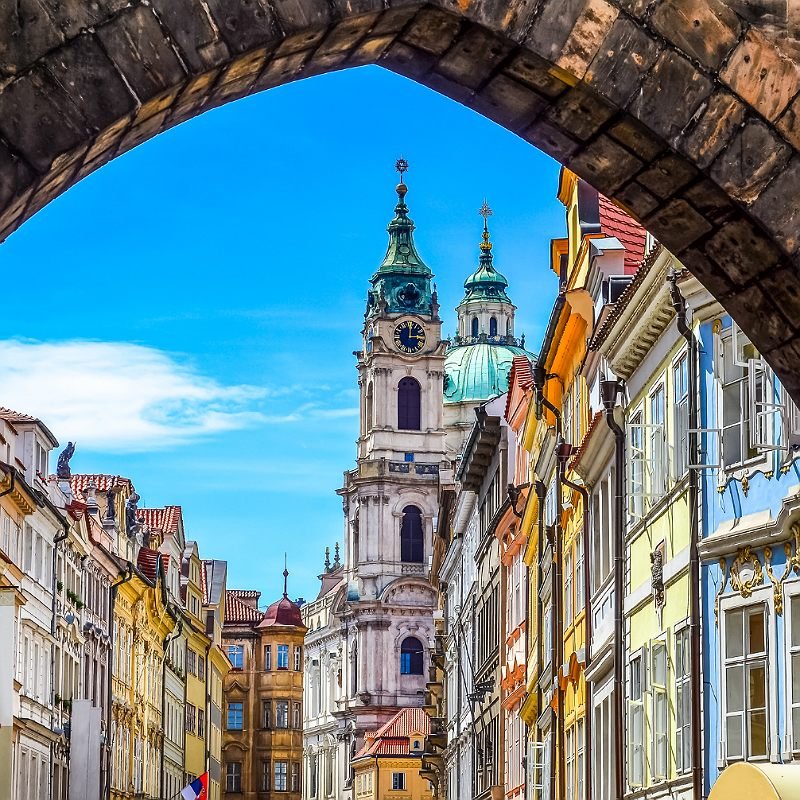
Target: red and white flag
(197, 789)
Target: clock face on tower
(409, 336)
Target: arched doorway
(684, 113)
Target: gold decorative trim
(746, 556)
(716, 327)
(723, 565)
(777, 585)
(745, 486)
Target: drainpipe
(540, 378)
(168, 640)
(207, 731)
(563, 452)
(56, 541)
(609, 389)
(110, 688)
(679, 304)
(541, 491)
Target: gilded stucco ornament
(777, 585)
(746, 572)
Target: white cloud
(118, 396)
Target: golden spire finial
(486, 212)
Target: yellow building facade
(198, 645)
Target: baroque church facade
(371, 628)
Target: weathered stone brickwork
(687, 112)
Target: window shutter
(762, 407)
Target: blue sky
(190, 310)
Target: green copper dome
(478, 372)
(486, 283)
(402, 283)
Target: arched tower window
(474, 326)
(493, 326)
(411, 656)
(408, 405)
(412, 546)
(368, 411)
(508, 326)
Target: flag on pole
(197, 789)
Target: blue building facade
(749, 551)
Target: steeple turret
(402, 283)
(486, 283)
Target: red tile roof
(161, 519)
(615, 222)
(80, 483)
(9, 415)
(521, 375)
(393, 737)
(147, 562)
(237, 611)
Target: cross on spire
(486, 212)
(401, 165)
(285, 577)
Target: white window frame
(569, 610)
(682, 679)
(635, 707)
(659, 705)
(791, 746)
(680, 413)
(398, 781)
(733, 602)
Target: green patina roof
(403, 280)
(478, 372)
(486, 283)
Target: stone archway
(683, 111)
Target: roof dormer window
(41, 461)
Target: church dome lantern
(479, 359)
(402, 282)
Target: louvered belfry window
(411, 541)
(408, 405)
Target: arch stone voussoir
(685, 112)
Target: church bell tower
(390, 497)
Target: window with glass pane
(657, 451)
(580, 594)
(680, 384)
(297, 720)
(660, 731)
(411, 653)
(683, 702)
(398, 780)
(295, 777)
(635, 723)
(235, 719)
(235, 653)
(570, 764)
(636, 466)
(265, 776)
(794, 650)
(734, 379)
(745, 655)
(267, 657)
(298, 658)
(283, 656)
(579, 766)
(281, 773)
(282, 714)
(568, 589)
(266, 713)
(233, 776)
